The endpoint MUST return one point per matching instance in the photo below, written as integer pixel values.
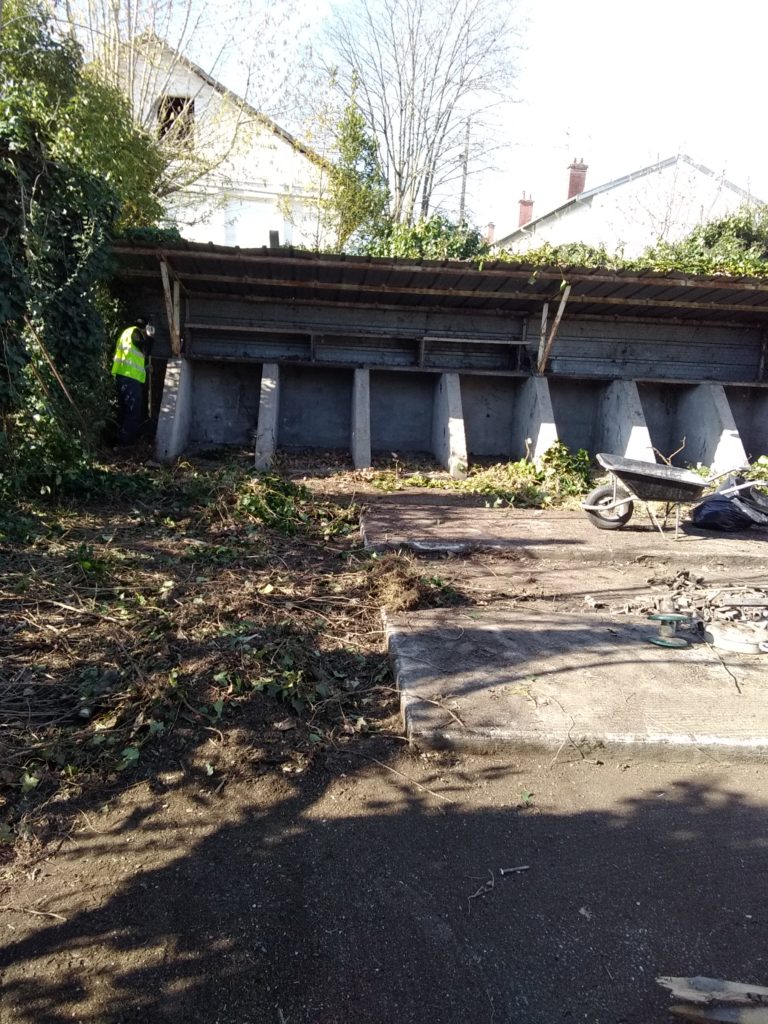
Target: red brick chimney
(526, 210)
(578, 178)
(490, 233)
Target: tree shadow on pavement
(347, 896)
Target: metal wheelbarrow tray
(611, 506)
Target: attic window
(176, 119)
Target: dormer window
(176, 119)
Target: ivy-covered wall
(72, 168)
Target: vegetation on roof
(736, 246)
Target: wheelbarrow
(610, 507)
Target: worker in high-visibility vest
(130, 372)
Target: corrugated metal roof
(492, 287)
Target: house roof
(222, 90)
(588, 194)
(300, 278)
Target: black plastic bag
(721, 513)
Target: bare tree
(425, 69)
(169, 58)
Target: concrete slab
(421, 523)
(482, 681)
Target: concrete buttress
(534, 427)
(449, 442)
(269, 412)
(711, 435)
(175, 411)
(361, 419)
(622, 429)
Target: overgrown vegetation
(435, 238)
(559, 475)
(736, 245)
(72, 167)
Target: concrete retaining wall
(455, 417)
(225, 403)
(490, 406)
(401, 411)
(315, 407)
(576, 406)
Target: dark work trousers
(130, 393)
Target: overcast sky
(624, 84)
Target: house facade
(238, 177)
(662, 202)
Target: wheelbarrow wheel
(611, 518)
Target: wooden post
(547, 347)
(177, 309)
(763, 353)
(543, 332)
(171, 308)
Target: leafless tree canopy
(230, 39)
(425, 69)
(142, 48)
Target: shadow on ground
(345, 898)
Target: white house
(240, 178)
(662, 202)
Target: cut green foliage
(560, 474)
(159, 611)
(289, 507)
(735, 245)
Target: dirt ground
(257, 876)
(347, 896)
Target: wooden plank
(715, 990)
(343, 332)
(544, 355)
(177, 310)
(543, 330)
(169, 309)
(721, 1014)
(718, 1001)
(335, 364)
(763, 354)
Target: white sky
(623, 84)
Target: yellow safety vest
(129, 359)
